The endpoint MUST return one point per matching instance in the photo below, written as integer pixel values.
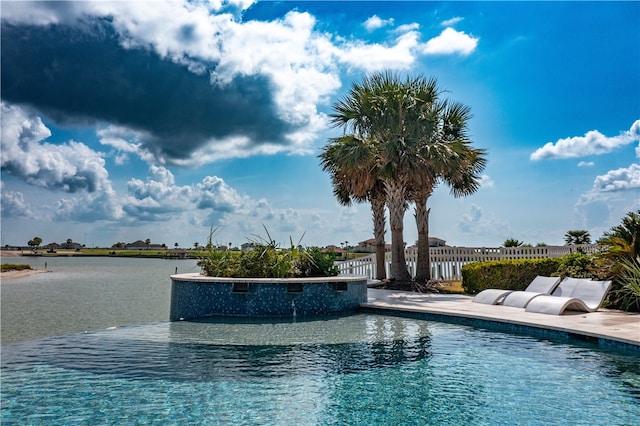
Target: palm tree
(577, 236)
(374, 110)
(512, 242)
(624, 239)
(35, 243)
(351, 164)
(418, 142)
(445, 155)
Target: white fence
(446, 262)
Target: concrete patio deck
(610, 325)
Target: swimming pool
(355, 369)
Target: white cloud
(592, 143)
(586, 164)
(374, 23)
(451, 22)
(70, 167)
(407, 28)
(97, 206)
(450, 42)
(301, 63)
(618, 180)
(486, 181)
(479, 223)
(375, 57)
(124, 141)
(612, 195)
(14, 205)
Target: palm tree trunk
(377, 209)
(397, 206)
(423, 267)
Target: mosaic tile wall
(202, 298)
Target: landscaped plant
(576, 265)
(627, 297)
(267, 260)
(619, 262)
(511, 274)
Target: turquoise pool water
(360, 369)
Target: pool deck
(611, 325)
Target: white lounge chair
(576, 295)
(539, 285)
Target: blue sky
(133, 120)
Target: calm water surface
(358, 369)
(89, 343)
(81, 294)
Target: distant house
(340, 252)
(53, 246)
(141, 245)
(72, 246)
(369, 246)
(247, 246)
(437, 242)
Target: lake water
(89, 343)
(81, 294)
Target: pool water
(358, 369)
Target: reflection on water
(223, 350)
(354, 369)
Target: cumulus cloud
(69, 167)
(486, 181)
(160, 198)
(124, 141)
(477, 222)
(592, 143)
(375, 22)
(89, 207)
(14, 205)
(622, 179)
(586, 164)
(375, 57)
(451, 42)
(201, 86)
(451, 22)
(611, 196)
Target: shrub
(515, 274)
(314, 263)
(576, 265)
(6, 267)
(627, 294)
(267, 260)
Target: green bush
(513, 274)
(626, 296)
(576, 265)
(6, 267)
(314, 263)
(267, 261)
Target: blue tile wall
(199, 298)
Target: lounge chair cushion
(539, 285)
(577, 295)
(491, 296)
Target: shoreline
(20, 273)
